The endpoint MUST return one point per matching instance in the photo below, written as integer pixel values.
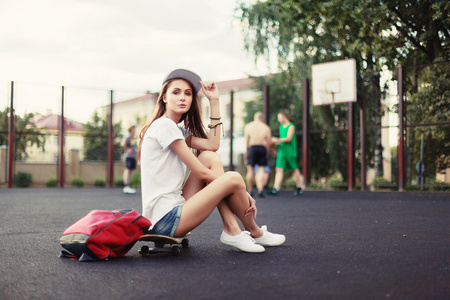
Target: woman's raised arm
(211, 143)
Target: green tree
(419, 35)
(374, 33)
(96, 139)
(26, 134)
(308, 32)
(430, 104)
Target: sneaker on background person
(129, 190)
(273, 192)
(298, 191)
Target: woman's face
(280, 118)
(178, 97)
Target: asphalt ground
(340, 245)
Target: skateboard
(160, 241)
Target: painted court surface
(340, 245)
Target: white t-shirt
(163, 174)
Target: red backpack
(102, 234)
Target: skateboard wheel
(144, 250)
(185, 243)
(176, 251)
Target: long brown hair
(192, 118)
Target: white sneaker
(129, 190)
(270, 239)
(242, 241)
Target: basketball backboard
(334, 82)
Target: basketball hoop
(334, 82)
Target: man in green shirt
(287, 154)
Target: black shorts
(131, 163)
(257, 154)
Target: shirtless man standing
(257, 141)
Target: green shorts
(287, 163)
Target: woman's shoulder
(164, 127)
(163, 121)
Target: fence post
(231, 167)
(11, 139)
(362, 132)
(401, 130)
(110, 151)
(351, 147)
(61, 158)
(306, 139)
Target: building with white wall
(49, 125)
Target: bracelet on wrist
(214, 126)
(210, 126)
(215, 118)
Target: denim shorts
(168, 224)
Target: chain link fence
(427, 126)
(87, 124)
(38, 113)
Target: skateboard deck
(163, 243)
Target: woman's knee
(234, 180)
(209, 158)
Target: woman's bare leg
(227, 192)
(193, 185)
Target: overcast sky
(118, 44)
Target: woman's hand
(252, 209)
(210, 90)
